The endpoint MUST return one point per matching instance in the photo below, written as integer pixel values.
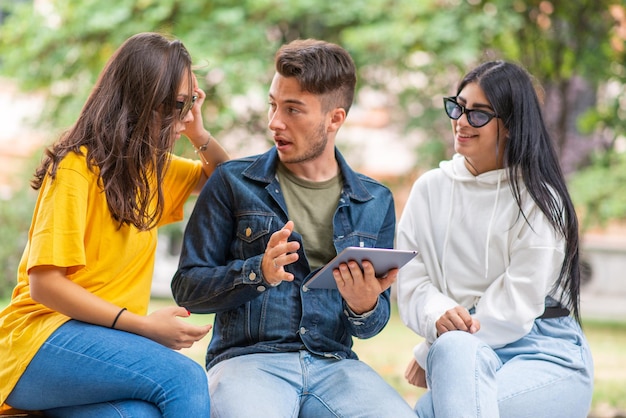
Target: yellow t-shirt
(72, 227)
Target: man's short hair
(321, 68)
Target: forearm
(211, 153)
(210, 289)
(51, 287)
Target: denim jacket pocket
(253, 231)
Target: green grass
(389, 352)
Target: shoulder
(372, 184)
(75, 164)
(238, 163)
(432, 178)
(239, 167)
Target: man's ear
(337, 118)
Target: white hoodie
(475, 250)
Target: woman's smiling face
(482, 147)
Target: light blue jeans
(299, 384)
(548, 373)
(85, 370)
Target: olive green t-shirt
(311, 206)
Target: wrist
(201, 144)
(117, 317)
(360, 313)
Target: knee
(457, 339)
(455, 346)
(192, 381)
(193, 372)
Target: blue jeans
(547, 373)
(300, 384)
(85, 370)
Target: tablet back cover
(383, 260)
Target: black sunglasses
(476, 118)
(186, 106)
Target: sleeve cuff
(350, 313)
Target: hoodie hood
(457, 171)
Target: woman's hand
(51, 287)
(457, 319)
(165, 327)
(415, 375)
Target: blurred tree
(409, 53)
(413, 51)
(15, 220)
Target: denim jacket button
(248, 232)
(302, 330)
(260, 288)
(252, 276)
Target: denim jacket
(219, 272)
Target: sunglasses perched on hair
(476, 118)
(186, 106)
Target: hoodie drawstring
(493, 214)
(444, 284)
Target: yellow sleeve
(179, 182)
(59, 222)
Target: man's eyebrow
(290, 101)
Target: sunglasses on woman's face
(476, 118)
(186, 106)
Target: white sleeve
(420, 301)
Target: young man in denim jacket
(262, 227)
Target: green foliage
(15, 216)
(599, 190)
(412, 52)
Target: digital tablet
(383, 260)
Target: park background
(409, 53)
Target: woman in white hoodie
(495, 288)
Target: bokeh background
(409, 54)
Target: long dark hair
(529, 153)
(127, 127)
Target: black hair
(529, 154)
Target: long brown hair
(127, 127)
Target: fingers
(388, 279)
(182, 312)
(457, 319)
(411, 368)
(279, 253)
(353, 274)
(165, 327)
(475, 327)
(415, 374)
(359, 288)
(348, 273)
(198, 332)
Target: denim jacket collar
(264, 170)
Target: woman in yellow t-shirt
(76, 339)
